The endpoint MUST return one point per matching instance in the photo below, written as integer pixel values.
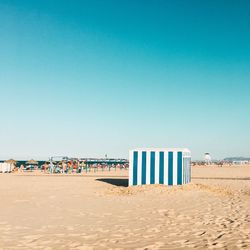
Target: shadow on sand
(222, 178)
(115, 181)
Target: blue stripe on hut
(144, 162)
(135, 163)
(161, 178)
(168, 166)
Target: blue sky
(89, 78)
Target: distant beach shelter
(168, 166)
(6, 167)
(11, 161)
(32, 162)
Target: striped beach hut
(168, 166)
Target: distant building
(240, 162)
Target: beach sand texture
(98, 211)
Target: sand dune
(101, 212)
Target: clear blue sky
(86, 78)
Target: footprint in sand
(84, 248)
(153, 230)
(156, 245)
(148, 236)
(200, 233)
(19, 201)
(74, 245)
(93, 236)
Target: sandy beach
(98, 211)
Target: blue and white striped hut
(168, 166)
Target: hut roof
(11, 161)
(32, 162)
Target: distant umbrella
(11, 161)
(32, 162)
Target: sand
(98, 211)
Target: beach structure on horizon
(168, 166)
(208, 158)
(6, 167)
